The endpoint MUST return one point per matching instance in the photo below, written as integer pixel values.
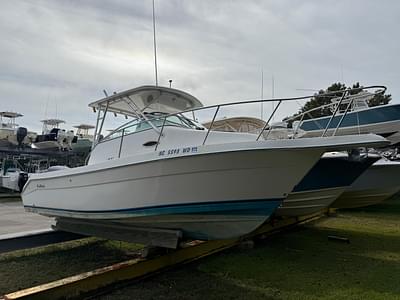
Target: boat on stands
(326, 182)
(11, 134)
(378, 183)
(53, 137)
(163, 170)
(323, 184)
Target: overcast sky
(57, 56)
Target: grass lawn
(27, 268)
(301, 264)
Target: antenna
(341, 73)
(155, 45)
(273, 93)
(273, 87)
(170, 83)
(45, 109)
(262, 94)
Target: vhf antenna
(155, 45)
(262, 94)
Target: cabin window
(141, 125)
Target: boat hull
(308, 202)
(202, 193)
(362, 198)
(50, 145)
(191, 180)
(206, 221)
(378, 183)
(323, 184)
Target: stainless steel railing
(122, 130)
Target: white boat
(13, 179)
(163, 170)
(53, 137)
(10, 132)
(325, 182)
(378, 183)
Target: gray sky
(57, 56)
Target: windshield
(157, 119)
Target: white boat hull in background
(378, 183)
(46, 145)
(325, 182)
(308, 202)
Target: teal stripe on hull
(240, 207)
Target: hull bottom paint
(308, 202)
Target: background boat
(53, 137)
(376, 184)
(359, 118)
(11, 134)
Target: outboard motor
(52, 136)
(22, 179)
(69, 139)
(22, 132)
(61, 139)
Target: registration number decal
(175, 151)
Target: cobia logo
(40, 186)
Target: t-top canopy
(52, 122)
(9, 114)
(148, 99)
(84, 126)
(238, 124)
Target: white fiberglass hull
(308, 202)
(9, 182)
(216, 189)
(46, 145)
(230, 182)
(324, 183)
(378, 183)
